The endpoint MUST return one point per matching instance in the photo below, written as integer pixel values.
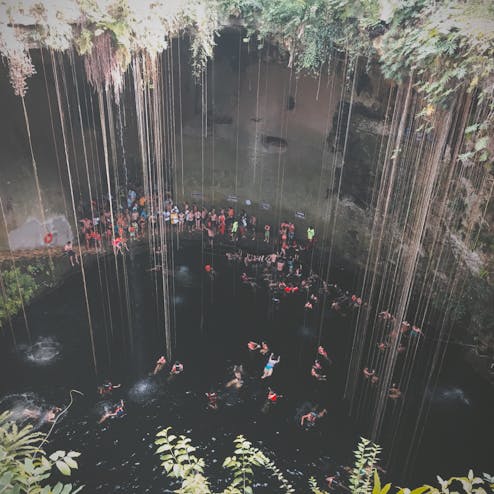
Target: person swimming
(117, 412)
(317, 372)
(52, 414)
(394, 392)
(264, 348)
(212, 397)
(160, 363)
(253, 346)
(271, 400)
(309, 419)
(368, 373)
(107, 388)
(273, 396)
(269, 367)
(176, 369)
(238, 379)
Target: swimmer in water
(268, 369)
(273, 396)
(253, 346)
(310, 419)
(176, 369)
(117, 412)
(107, 387)
(210, 271)
(212, 397)
(52, 414)
(394, 392)
(322, 353)
(264, 348)
(160, 363)
(317, 372)
(368, 373)
(238, 381)
(271, 400)
(382, 346)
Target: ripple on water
(183, 276)
(143, 391)
(44, 351)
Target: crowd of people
(285, 273)
(103, 225)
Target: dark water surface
(214, 321)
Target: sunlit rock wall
(272, 138)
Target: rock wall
(271, 141)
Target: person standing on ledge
(69, 251)
(311, 233)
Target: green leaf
(63, 467)
(421, 490)
(71, 463)
(377, 483)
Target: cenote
(266, 219)
(119, 456)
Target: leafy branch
(25, 466)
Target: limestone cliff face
(272, 137)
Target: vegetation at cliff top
(446, 47)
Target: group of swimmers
(118, 410)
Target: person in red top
(253, 346)
(271, 400)
(273, 397)
(222, 223)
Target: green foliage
(458, 485)
(366, 457)
(443, 43)
(308, 29)
(16, 289)
(25, 467)
(180, 462)
(314, 488)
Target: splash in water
(143, 391)
(25, 408)
(450, 395)
(307, 332)
(183, 276)
(43, 352)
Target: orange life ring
(48, 238)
